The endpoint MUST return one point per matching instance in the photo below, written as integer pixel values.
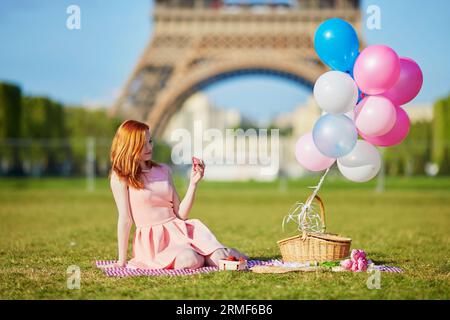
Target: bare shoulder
(116, 181)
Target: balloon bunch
(362, 95)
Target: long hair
(126, 151)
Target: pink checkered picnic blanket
(388, 269)
(126, 272)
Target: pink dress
(160, 235)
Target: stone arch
(171, 100)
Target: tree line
(39, 136)
(427, 146)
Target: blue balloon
(334, 135)
(337, 45)
(360, 96)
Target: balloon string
(307, 220)
(316, 188)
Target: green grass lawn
(50, 224)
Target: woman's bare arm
(187, 202)
(183, 208)
(125, 221)
(175, 197)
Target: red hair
(126, 149)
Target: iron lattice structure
(200, 41)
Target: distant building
(196, 110)
(419, 112)
(301, 120)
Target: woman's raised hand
(198, 170)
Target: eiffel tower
(197, 42)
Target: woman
(145, 194)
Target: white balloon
(336, 92)
(361, 164)
(350, 114)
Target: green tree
(10, 110)
(83, 123)
(163, 152)
(10, 115)
(411, 156)
(43, 123)
(441, 135)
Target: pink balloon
(375, 116)
(408, 84)
(309, 156)
(376, 69)
(397, 134)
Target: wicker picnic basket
(318, 247)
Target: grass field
(50, 224)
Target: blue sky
(89, 66)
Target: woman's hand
(197, 172)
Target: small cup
(239, 265)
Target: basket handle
(322, 209)
(322, 216)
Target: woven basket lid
(330, 237)
(322, 236)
